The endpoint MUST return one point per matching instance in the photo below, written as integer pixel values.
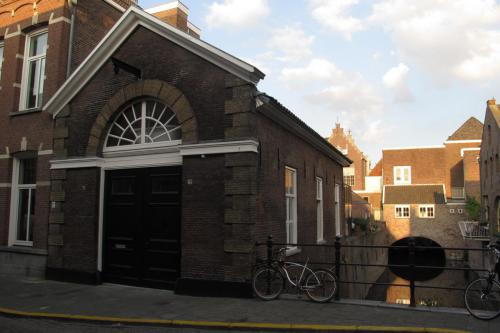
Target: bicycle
(269, 280)
(482, 295)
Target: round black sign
(427, 253)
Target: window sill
(321, 242)
(292, 251)
(23, 249)
(23, 112)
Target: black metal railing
(336, 263)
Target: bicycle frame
(286, 264)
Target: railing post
(269, 245)
(411, 266)
(337, 266)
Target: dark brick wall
(278, 149)
(94, 18)
(78, 247)
(203, 218)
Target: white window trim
(294, 221)
(320, 234)
(14, 205)
(24, 79)
(337, 210)
(402, 211)
(402, 167)
(427, 212)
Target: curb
(226, 325)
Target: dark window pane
(27, 171)
(164, 184)
(23, 217)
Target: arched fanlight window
(144, 122)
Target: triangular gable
(472, 129)
(127, 24)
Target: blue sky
(395, 72)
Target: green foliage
(363, 223)
(473, 208)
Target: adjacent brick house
(355, 174)
(40, 43)
(490, 168)
(425, 188)
(166, 168)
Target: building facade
(354, 175)
(425, 188)
(490, 168)
(165, 169)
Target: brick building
(490, 168)
(425, 188)
(354, 174)
(164, 169)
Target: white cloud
(317, 70)
(449, 39)
(396, 79)
(376, 55)
(236, 13)
(335, 91)
(375, 131)
(335, 15)
(262, 61)
(292, 42)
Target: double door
(142, 222)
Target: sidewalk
(116, 303)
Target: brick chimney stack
(176, 14)
(491, 101)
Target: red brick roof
(472, 129)
(414, 194)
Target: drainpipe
(72, 6)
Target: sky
(397, 73)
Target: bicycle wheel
(480, 302)
(321, 286)
(267, 283)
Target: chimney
(491, 101)
(175, 13)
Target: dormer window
(402, 175)
(33, 70)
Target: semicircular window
(144, 122)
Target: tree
(473, 208)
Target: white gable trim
(115, 5)
(132, 19)
(468, 149)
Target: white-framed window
(337, 210)
(33, 79)
(349, 173)
(402, 175)
(143, 124)
(460, 210)
(402, 211)
(426, 211)
(452, 210)
(291, 205)
(319, 209)
(1, 59)
(23, 200)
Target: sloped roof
(495, 111)
(414, 194)
(472, 129)
(274, 110)
(126, 25)
(377, 169)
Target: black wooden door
(142, 227)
